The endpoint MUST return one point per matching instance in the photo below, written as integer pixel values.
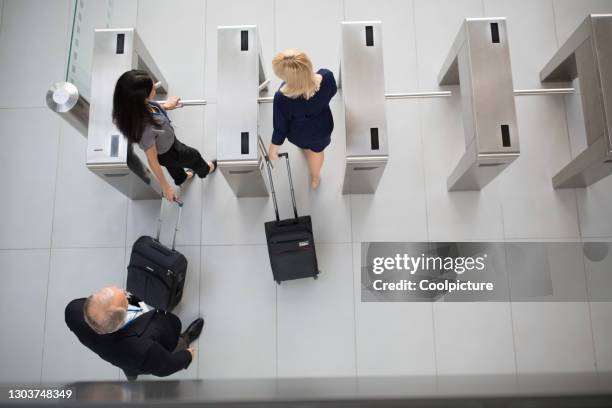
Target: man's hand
(273, 152)
(192, 351)
(172, 102)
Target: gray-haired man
(131, 335)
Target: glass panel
(88, 15)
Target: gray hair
(112, 317)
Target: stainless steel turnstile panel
(363, 174)
(363, 92)
(245, 177)
(587, 55)
(479, 61)
(240, 72)
(109, 154)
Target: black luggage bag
(290, 242)
(156, 273)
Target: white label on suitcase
(303, 243)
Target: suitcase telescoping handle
(160, 220)
(286, 156)
(269, 166)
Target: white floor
(64, 232)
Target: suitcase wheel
(278, 282)
(315, 277)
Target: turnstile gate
(479, 61)
(240, 78)
(109, 155)
(587, 55)
(362, 81)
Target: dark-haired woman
(143, 121)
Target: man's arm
(162, 363)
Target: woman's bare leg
(315, 162)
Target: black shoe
(194, 330)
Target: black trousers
(178, 158)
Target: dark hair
(130, 113)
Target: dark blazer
(145, 346)
(308, 124)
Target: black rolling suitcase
(290, 242)
(156, 274)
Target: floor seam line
(590, 312)
(510, 304)
(274, 40)
(202, 190)
(57, 167)
(552, 4)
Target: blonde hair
(295, 68)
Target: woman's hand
(172, 102)
(169, 193)
(273, 151)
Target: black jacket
(145, 346)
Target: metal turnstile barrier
(363, 90)
(109, 155)
(479, 61)
(240, 78)
(587, 55)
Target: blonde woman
(301, 109)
